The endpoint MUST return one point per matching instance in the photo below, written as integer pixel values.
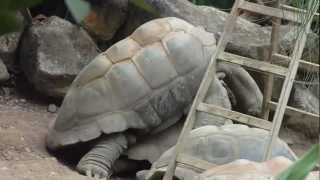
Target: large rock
(9, 43)
(303, 98)
(248, 39)
(311, 50)
(4, 75)
(8, 46)
(306, 98)
(52, 53)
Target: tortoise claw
(96, 174)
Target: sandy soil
(23, 155)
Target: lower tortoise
(218, 146)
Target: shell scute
(96, 68)
(148, 115)
(177, 24)
(182, 56)
(206, 38)
(123, 50)
(122, 75)
(151, 32)
(93, 98)
(120, 121)
(154, 65)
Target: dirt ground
(23, 126)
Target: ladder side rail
(205, 83)
(268, 79)
(287, 86)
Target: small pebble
(52, 108)
(23, 100)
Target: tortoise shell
(141, 82)
(219, 145)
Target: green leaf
(79, 9)
(8, 22)
(144, 5)
(301, 168)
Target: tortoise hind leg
(99, 160)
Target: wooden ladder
(277, 13)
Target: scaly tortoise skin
(141, 84)
(219, 145)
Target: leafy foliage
(144, 5)
(8, 13)
(300, 169)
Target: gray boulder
(52, 53)
(4, 75)
(9, 43)
(303, 98)
(248, 39)
(8, 47)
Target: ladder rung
(185, 160)
(291, 111)
(193, 163)
(270, 11)
(253, 64)
(305, 65)
(291, 8)
(235, 116)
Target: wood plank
(202, 91)
(186, 161)
(287, 86)
(291, 111)
(291, 8)
(268, 80)
(235, 116)
(193, 163)
(270, 11)
(253, 64)
(283, 60)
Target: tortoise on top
(141, 84)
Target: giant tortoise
(219, 146)
(141, 84)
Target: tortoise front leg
(99, 160)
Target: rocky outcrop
(303, 98)
(248, 39)
(52, 53)
(9, 43)
(8, 46)
(4, 75)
